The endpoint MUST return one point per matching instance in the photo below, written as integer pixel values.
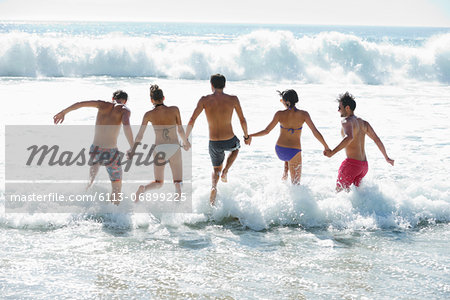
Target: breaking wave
(263, 54)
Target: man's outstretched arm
(198, 110)
(371, 133)
(59, 117)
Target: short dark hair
(289, 96)
(156, 93)
(347, 99)
(119, 94)
(218, 81)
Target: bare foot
(139, 192)
(284, 177)
(212, 197)
(89, 185)
(224, 176)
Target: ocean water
(266, 238)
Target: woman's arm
(180, 130)
(140, 134)
(315, 132)
(268, 129)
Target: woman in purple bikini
(288, 147)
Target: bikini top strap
(291, 130)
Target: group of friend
(219, 108)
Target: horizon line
(209, 22)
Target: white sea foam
(413, 193)
(322, 58)
(260, 203)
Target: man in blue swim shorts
(217, 151)
(219, 108)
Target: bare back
(164, 120)
(355, 149)
(291, 121)
(219, 112)
(107, 125)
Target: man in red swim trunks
(354, 131)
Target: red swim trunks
(351, 171)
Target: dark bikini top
(291, 130)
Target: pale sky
(328, 12)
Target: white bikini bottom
(168, 149)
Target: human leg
(116, 190)
(295, 168)
(176, 166)
(285, 171)
(158, 172)
(364, 170)
(114, 170)
(93, 171)
(230, 160)
(214, 179)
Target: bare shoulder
(234, 99)
(148, 113)
(278, 114)
(104, 104)
(303, 113)
(363, 124)
(204, 99)
(124, 109)
(174, 108)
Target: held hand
(130, 153)
(390, 161)
(186, 146)
(248, 141)
(328, 153)
(59, 118)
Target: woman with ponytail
(166, 121)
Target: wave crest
(271, 55)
